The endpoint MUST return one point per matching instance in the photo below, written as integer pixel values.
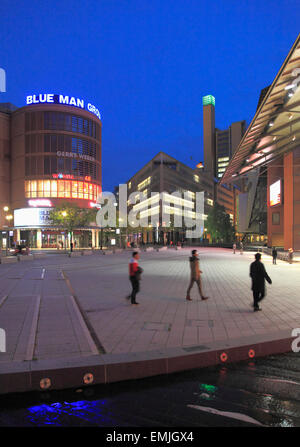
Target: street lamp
(9, 217)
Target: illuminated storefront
(55, 156)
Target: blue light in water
(58, 413)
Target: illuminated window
(27, 189)
(47, 190)
(223, 159)
(91, 197)
(33, 188)
(191, 194)
(61, 189)
(144, 183)
(68, 189)
(196, 178)
(53, 188)
(74, 190)
(85, 190)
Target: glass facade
(61, 121)
(48, 153)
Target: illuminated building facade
(156, 181)
(271, 147)
(50, 153)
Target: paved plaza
(60, 308)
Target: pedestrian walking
(290, 255)
(274, 255)
(234, 248)
(134, 276)
(259, 275)
(241, 248)
(195, 276)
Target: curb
(64, 373)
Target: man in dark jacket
(274, 255)
(258, 274)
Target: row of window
(61, 121)
(61, 143)
(69, 189)
(72, 123)
(47, 165)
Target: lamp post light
(9, 217)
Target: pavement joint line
(27, 332)
(33, 330)
(83, 326)
(94, 342)
(3, 299)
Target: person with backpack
(134, 276)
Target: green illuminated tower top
(208, 99)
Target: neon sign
(40, 203)
(50, 98)
(65, 176)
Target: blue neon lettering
(62, 99)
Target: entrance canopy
(275, 128)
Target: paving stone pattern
(163, 318)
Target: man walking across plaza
(195, 276)
(259, 275)
(134, 276)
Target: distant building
(219, 147)
(165, 174)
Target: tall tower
(209, 145)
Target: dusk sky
(146, 66)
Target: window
(61, 189)
(46, 165)
(144, 183)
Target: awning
(275, 128)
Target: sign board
(275, 193)
(25, 217)
(51, 98)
